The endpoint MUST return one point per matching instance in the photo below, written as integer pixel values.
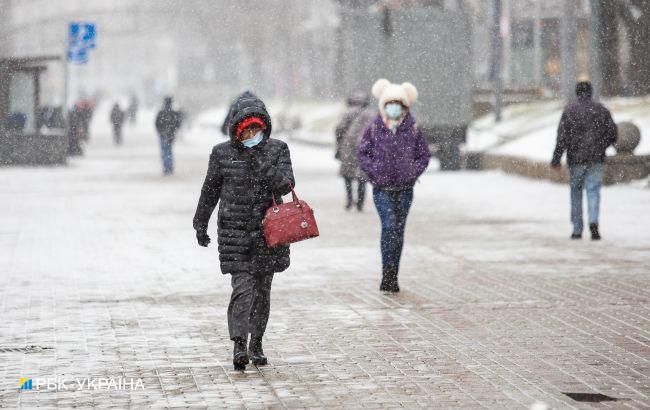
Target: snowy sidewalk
(101, 274)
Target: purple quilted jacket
(393, 161)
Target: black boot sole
(240, 361)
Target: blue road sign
(81, 38)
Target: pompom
(379, 87)
(411, 92)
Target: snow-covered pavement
(102, 278)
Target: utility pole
(497, 47)
(568, 49)
(594, 49)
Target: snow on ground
(529, 130)
(101, 268)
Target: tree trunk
(609, 48)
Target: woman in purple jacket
(393, 153)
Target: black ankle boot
(240, 357)
(389, 281)
(384, 280)
(595, 235)
(256, 353)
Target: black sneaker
(595, 235)
(576, 236)
(240, 356)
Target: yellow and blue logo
(25, 383)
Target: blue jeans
(585, 177)
(166, 150)
(393, 208)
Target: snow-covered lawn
(529, 130)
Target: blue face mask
(251, 142)
(393, 110)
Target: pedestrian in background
(586, 130)
(244, 174)
(393, 153)
(86, 108)
(133, 109)
(168, 122)
(348, 135)
(117, 121)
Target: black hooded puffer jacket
(243, 181)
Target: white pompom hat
(385, 91)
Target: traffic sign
(81, 38)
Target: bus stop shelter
(27, 135)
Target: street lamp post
(497, 55)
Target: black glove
(202, 238)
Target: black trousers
(250, 305)
(361, 191)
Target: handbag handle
(293, 194)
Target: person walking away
(75, 132)
(133, 109)
(86, 109)
(348, 135)
(117, 120)
(393, 153)
(243, 176)
(168, 122)
(586, 130)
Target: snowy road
(102, 275)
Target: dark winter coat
(117, 117)
(585, 131)
(348, 135)
(243, 181)
(226, 122)
(168, 122)
(393, 161)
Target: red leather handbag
(288, 223)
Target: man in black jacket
(117, 120)
(168, 122)
(585, 131)
(244, 175)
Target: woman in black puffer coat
(243, 175)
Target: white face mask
(251, 142)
